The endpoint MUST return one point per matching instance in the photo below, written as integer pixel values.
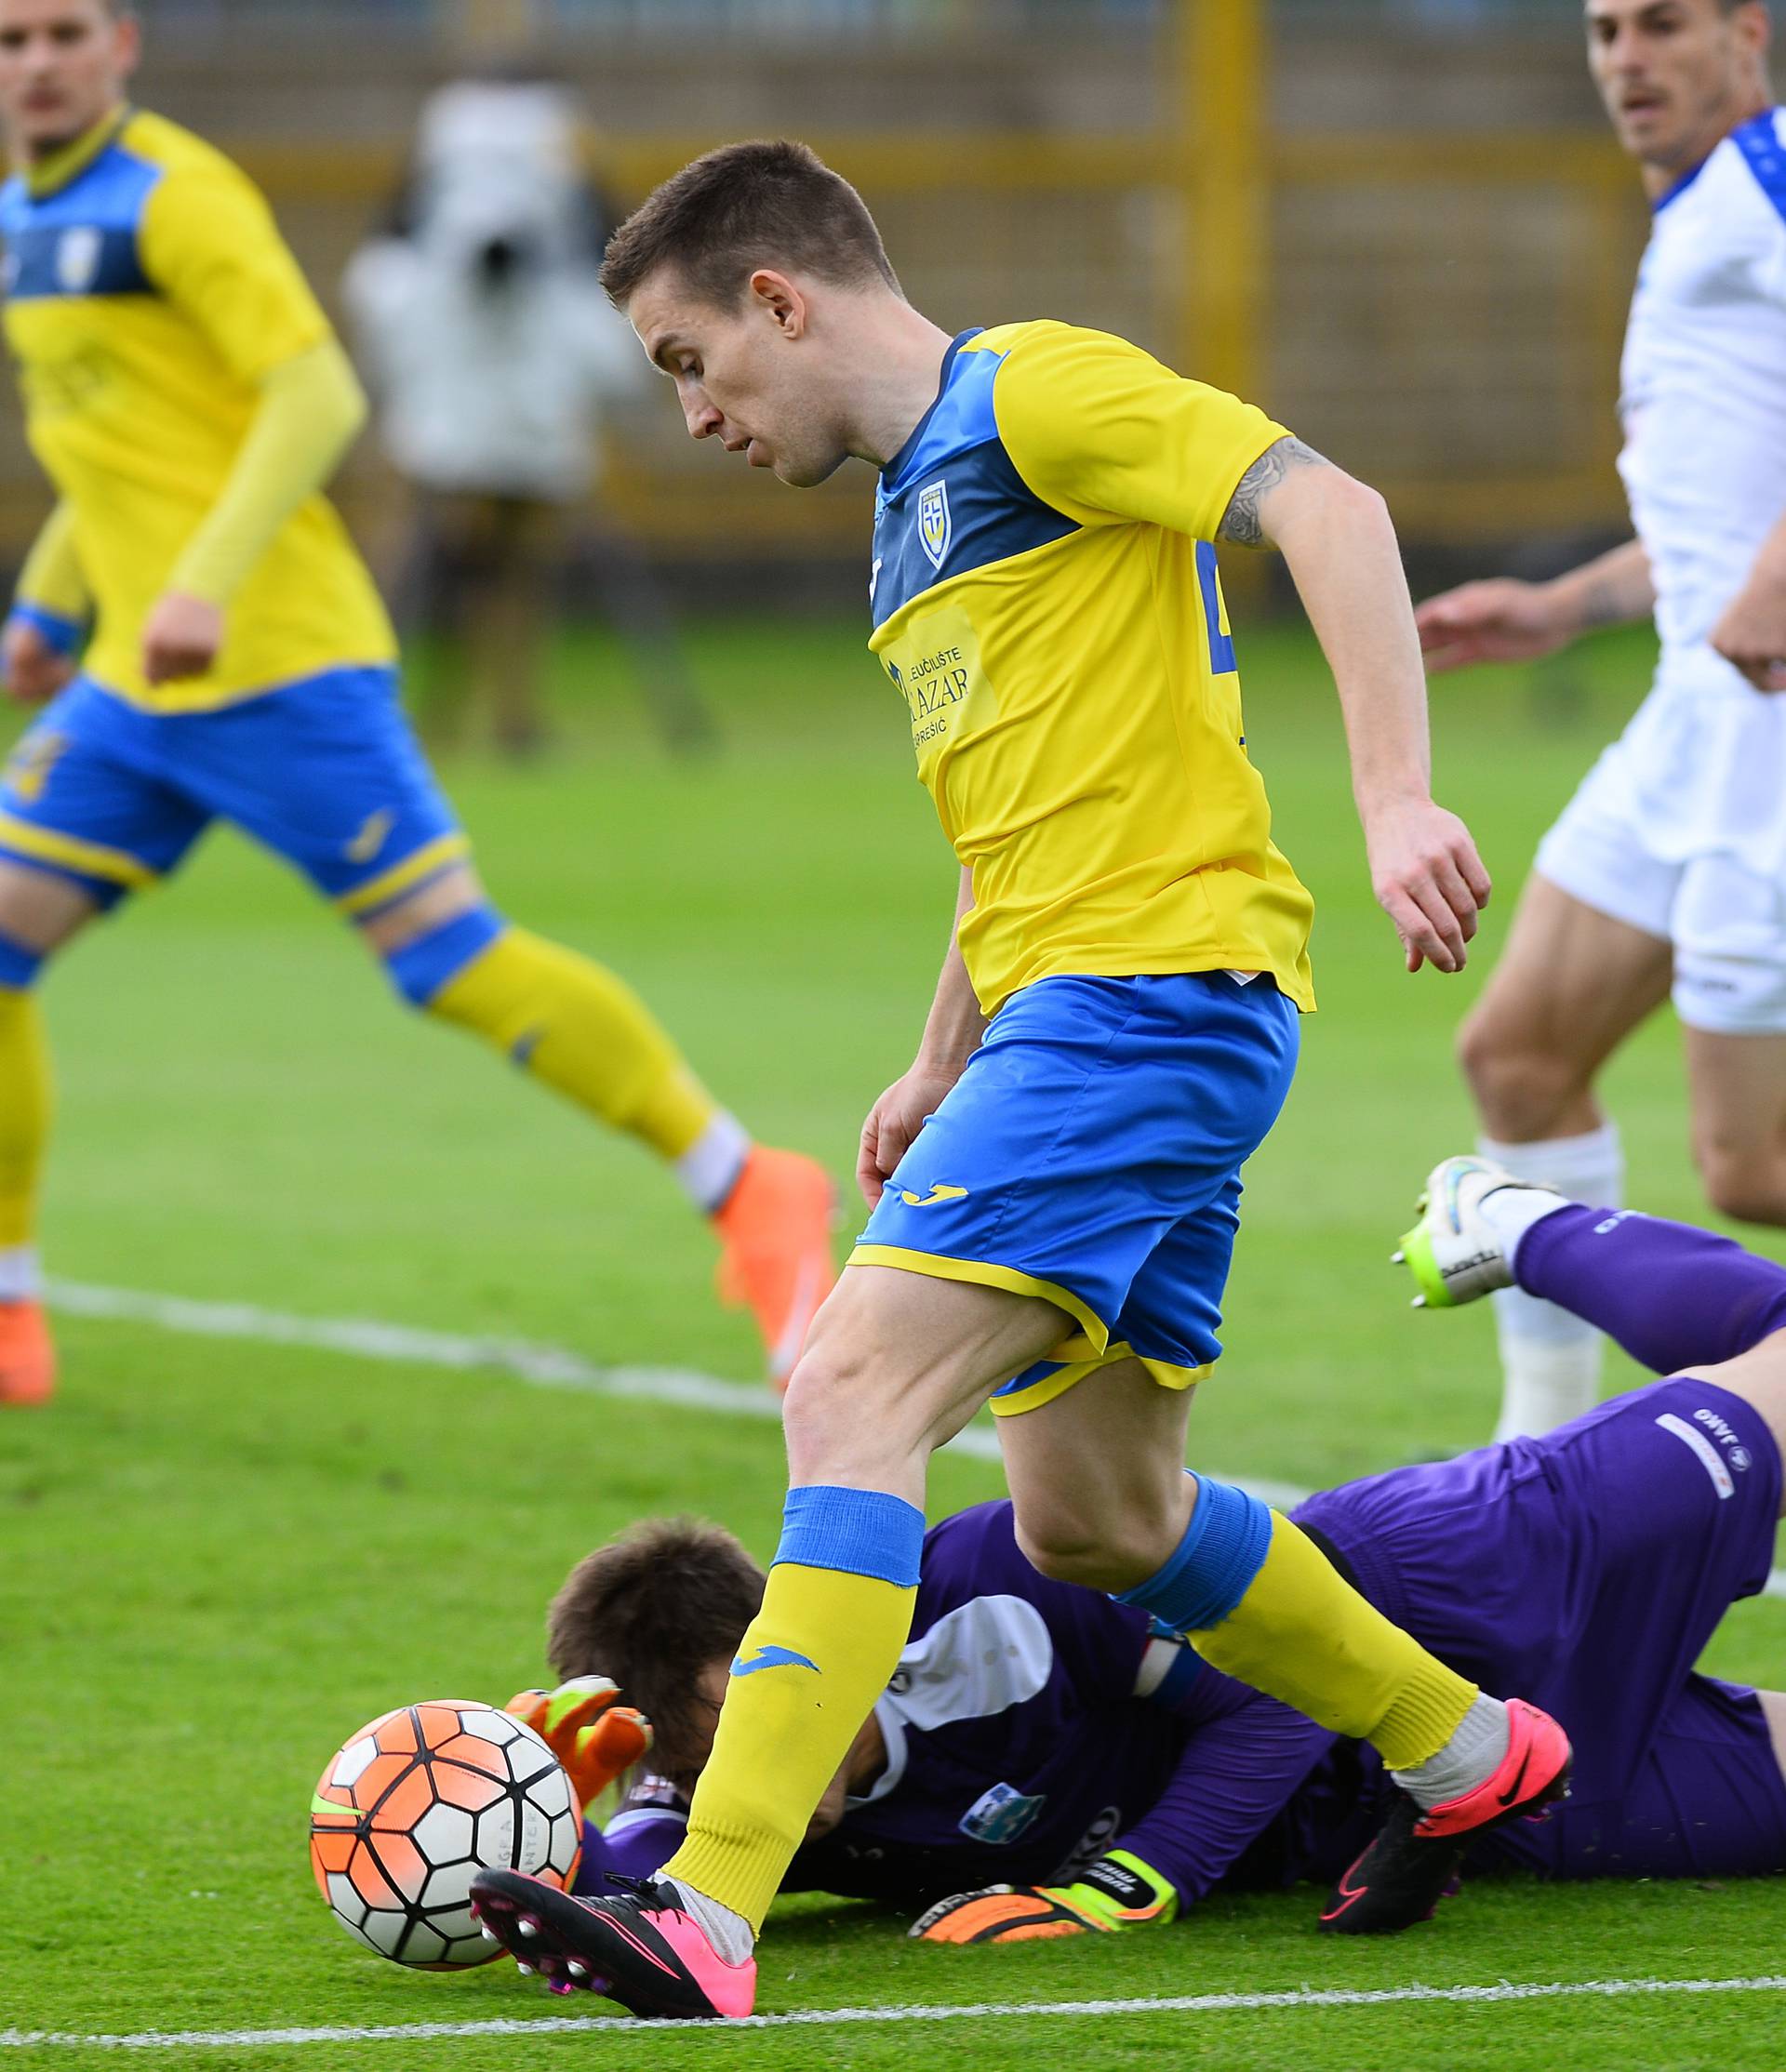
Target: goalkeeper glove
(1118, 1891)
(593, 1738)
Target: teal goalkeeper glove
(1118, 1891)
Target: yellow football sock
(25, 1108)
(1301, 1633)
(808, 1671)
(579, 1029)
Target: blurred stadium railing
(1399, 224)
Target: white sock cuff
(1547, 1385)
(1512, 1212)
(21, 1277)
(710, 1167)
(730, 1933)
(1587, 1168)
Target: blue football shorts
(325, 773)
(1090, 1154)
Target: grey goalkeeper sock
(1471, 1756)
(728, 1932)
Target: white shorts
(1726, 919)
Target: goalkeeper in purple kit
(1043, 1764)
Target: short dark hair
(745, 205)
(652, 1609)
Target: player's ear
(127, 45)
(781, 301)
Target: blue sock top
(857, 1531)
(1213, 1566)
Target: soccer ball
(416, 1805)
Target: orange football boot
(776, 1226)
(27, 1355)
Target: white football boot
(1455, 1252)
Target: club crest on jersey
(78, 258)
(934, 527)
(1001, 1814)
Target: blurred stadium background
(1399, 224)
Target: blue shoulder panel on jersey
(961, 417)
(1758, 141)
(950, 500)
(81, 240)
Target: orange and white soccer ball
(415, 1805)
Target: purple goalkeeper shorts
(1586, 1571)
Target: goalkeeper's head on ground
(661, 1610)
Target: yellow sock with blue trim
(27, 1102)
(1258, 1601)
(836, 1612)
(568, 1021)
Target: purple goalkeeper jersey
(1033, 1725)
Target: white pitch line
(1187, 2003)
(542, 1366)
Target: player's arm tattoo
(1602, 604)
(1614, 590)
(1240, 522)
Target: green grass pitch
(217, 1558)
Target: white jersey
(1704, 466)
(1704, 380)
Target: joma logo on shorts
(1737, 1454)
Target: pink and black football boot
(639, 1948)
(1415, 1856)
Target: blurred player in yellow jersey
(1054, 1184)
(215, 649)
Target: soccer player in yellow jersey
(1055, 1183)
(188, 400)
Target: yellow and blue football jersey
(148, 292)
(1045, 601)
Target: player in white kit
(1667, 871)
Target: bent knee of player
(40, 910)
(1744, 1176)
(1099, 1551)
(857, 1411)
(846, 1420)
(406, 919)
(1521, 1089)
